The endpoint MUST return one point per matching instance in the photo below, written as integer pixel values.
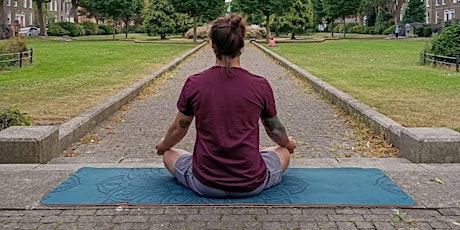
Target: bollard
(31, 55)
(20, 59)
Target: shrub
(338, 28)
(255, 32)
(5, 32)
(134, 29)
(106, 28)
(13, 45)
(427, 31)
(75, 30)
(12, 117)
(447, 43)
(389, 30)
(202, 32)
(91, 28)
(359, 29)
(56, 30)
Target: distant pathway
(318, 129)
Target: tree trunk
(114, 29)
(267, 36)
(126, 28)
(344, 28)
(162, 36)
(397, 12)
(332, 27)
(3, 19)
(293, 36)
(75, 11)
(194, 28)
(41, 19)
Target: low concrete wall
(419, 145)
(39, 144)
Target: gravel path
(319, 130)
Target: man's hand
(159, 147)
(291, 145)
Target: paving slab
(23, 189)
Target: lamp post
(229, 8)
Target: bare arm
(176, 131)
(276, 131)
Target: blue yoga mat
(300, 186)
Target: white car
(29, 31)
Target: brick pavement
(320, 130)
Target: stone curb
(419, 145)
(19, 145)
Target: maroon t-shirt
(227, 111)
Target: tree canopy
(335, 9)
(264, 7)
(209, 9)
(415, 12)
(159, 18)
(296, 19)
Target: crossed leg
(171, 156)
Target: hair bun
(235, 21)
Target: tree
(296, 20)
(159, 18)
(41, 17)
(265, 8)
(119, 9)
(88, 9)
(196, 8)
(318, 11)
(183, 23)
(335, 9)
(415, 12)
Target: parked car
(29, 31)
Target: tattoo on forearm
(275, 129)
(184, 124)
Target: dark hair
(227, 33)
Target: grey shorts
(183, 173)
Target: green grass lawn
(386, 75)
(68, 77)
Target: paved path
(318, 128)
(320, 131)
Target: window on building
(9, 17)
(436, 16)
(443, 2)
(427, 3)
(55, 5)
(427, 18)
(437, 3)
(8, 3)
(454, 1)
(51, 5)
(30, 4)
(15, 3)
(31, 19)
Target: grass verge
(68, 77)
(386, 75)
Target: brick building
(23, 12)
(438, 11)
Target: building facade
(22, 12)
(438, 11)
